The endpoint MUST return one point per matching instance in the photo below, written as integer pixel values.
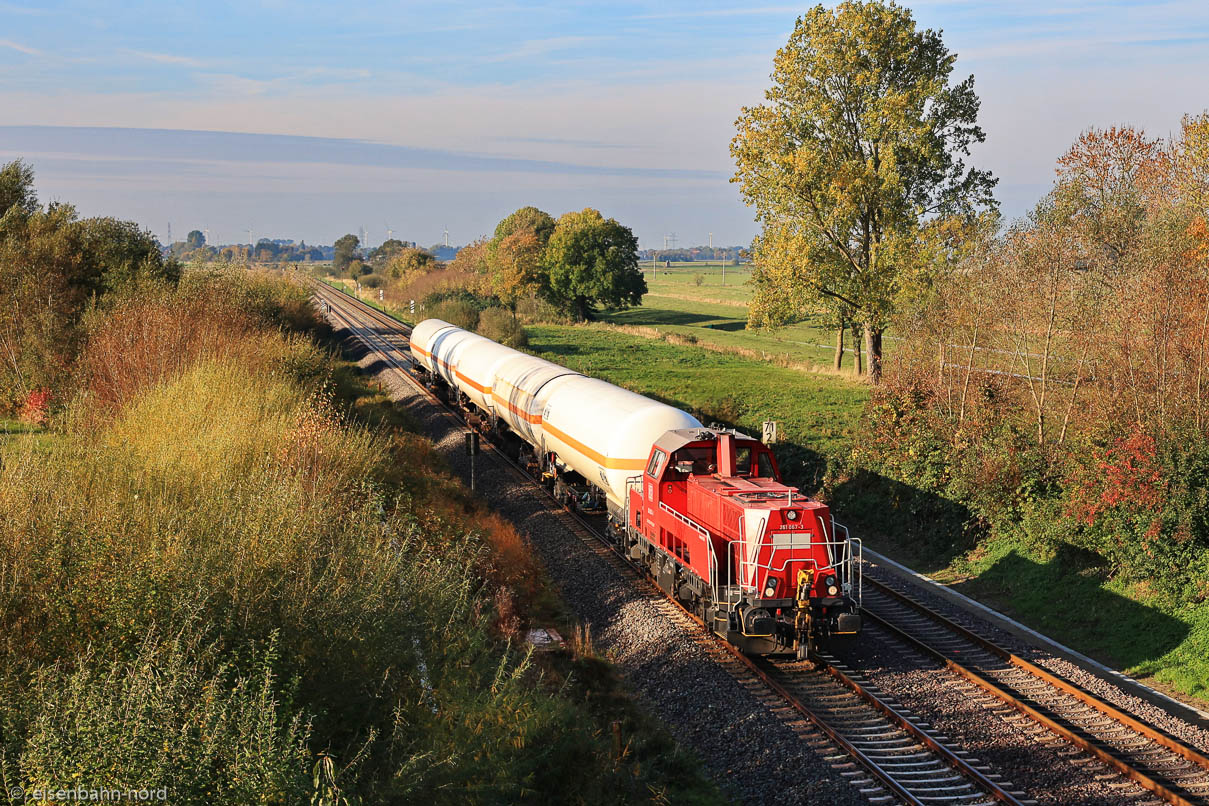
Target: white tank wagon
(522, 387)
(421, 339)
(605, 433)
(703, 510)
(600, 431)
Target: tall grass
(215, 577)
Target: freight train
(703, 509)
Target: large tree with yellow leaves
(861, 142)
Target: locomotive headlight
(770, 587)
(791, 515)
(832, 588)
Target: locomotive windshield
(699, 461)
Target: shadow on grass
(920, 528)
(1066, 599)
(653, 317)
(729, 327)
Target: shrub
(458, 312)
(500, 324)
(534, 310)
(103, 724)
(35, 410)
(373, 281)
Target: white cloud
(539, 47)
(166, 58)
(17, 46)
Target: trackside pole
(472, 450)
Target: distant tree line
(195, 249)
(719, 253)
(573, 265)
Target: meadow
(228, 568)
(816, 411)
(696, 300)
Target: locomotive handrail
(843, 564)
(709, 543)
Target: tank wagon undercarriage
(703, 510)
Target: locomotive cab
(765, 567)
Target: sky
(309, 120)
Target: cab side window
(764, 467)
(743, 460)
(655, 466)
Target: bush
(535, 310)
(499, 324)
(102, 724)
(458, 312)
(373, 281)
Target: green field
(816, 411)
(715, 314)
(718, 283)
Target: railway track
(888, 753)
(1152, 758)
(890, 756)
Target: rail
(1144, 768)
(901, 787)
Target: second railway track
(889, 753)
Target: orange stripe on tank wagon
(599, 458)
(486, 390)
(519, 412)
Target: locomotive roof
(677, 439)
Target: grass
(680, 280)
(241, 565)
(725, 326)
(816, 411)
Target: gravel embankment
(1033, 759)
(755, 756)
(1148, 712)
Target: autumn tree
(344, 250)
(1190, 160)
(593, 261)
(386, 252)
(53, 265)
(526, 219)
(516, 267)
(1101, 186)
(17, 189)
(196, 239)
(471, 258)
(861, 141)
(410, 262)
(514, 254)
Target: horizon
(303, 122)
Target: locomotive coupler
(803, 618)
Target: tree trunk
(873, 352)
(839, 348)
(856, 349)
